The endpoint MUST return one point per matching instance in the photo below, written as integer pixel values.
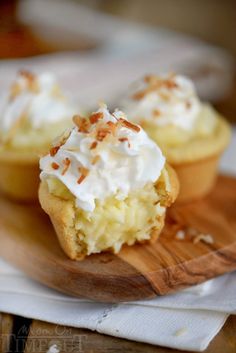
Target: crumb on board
(180, 235)
(182, 331)
(206, 238)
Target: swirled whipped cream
(101, 156)
(164, 100)
(35, 100)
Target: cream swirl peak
(34, 100)
(102, 156)
(164, 100)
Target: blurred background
(102, 45)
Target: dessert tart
(32, 113)
(191, 134)
(104, 184)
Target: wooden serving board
(28, 241)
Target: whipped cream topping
(37, 100)
(102, 156)
(164, 100)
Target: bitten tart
(32, 113)
(191, 134)
(104, 184)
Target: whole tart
(105, 184)
(191, 134)
(32, 113)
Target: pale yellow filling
(116, 222)
(210, 136)
(26, 138)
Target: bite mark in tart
(112, 194)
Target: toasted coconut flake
(129, 125)
(84, 172)
(27, 74)
(139, 95)
(53, 150)
(102, 133)
(58, 143)
(95, 117)
(31, 80)
(170, 84)
(83, 124)
(93, 145)
(124, 139)
(95, 159)
(149, 79)
(55, 165)
(81, 179)
(66, 163)
(154, 83)
(112, 127)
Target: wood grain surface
(6, 327)
(141, 271)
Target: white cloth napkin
(186, 320)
